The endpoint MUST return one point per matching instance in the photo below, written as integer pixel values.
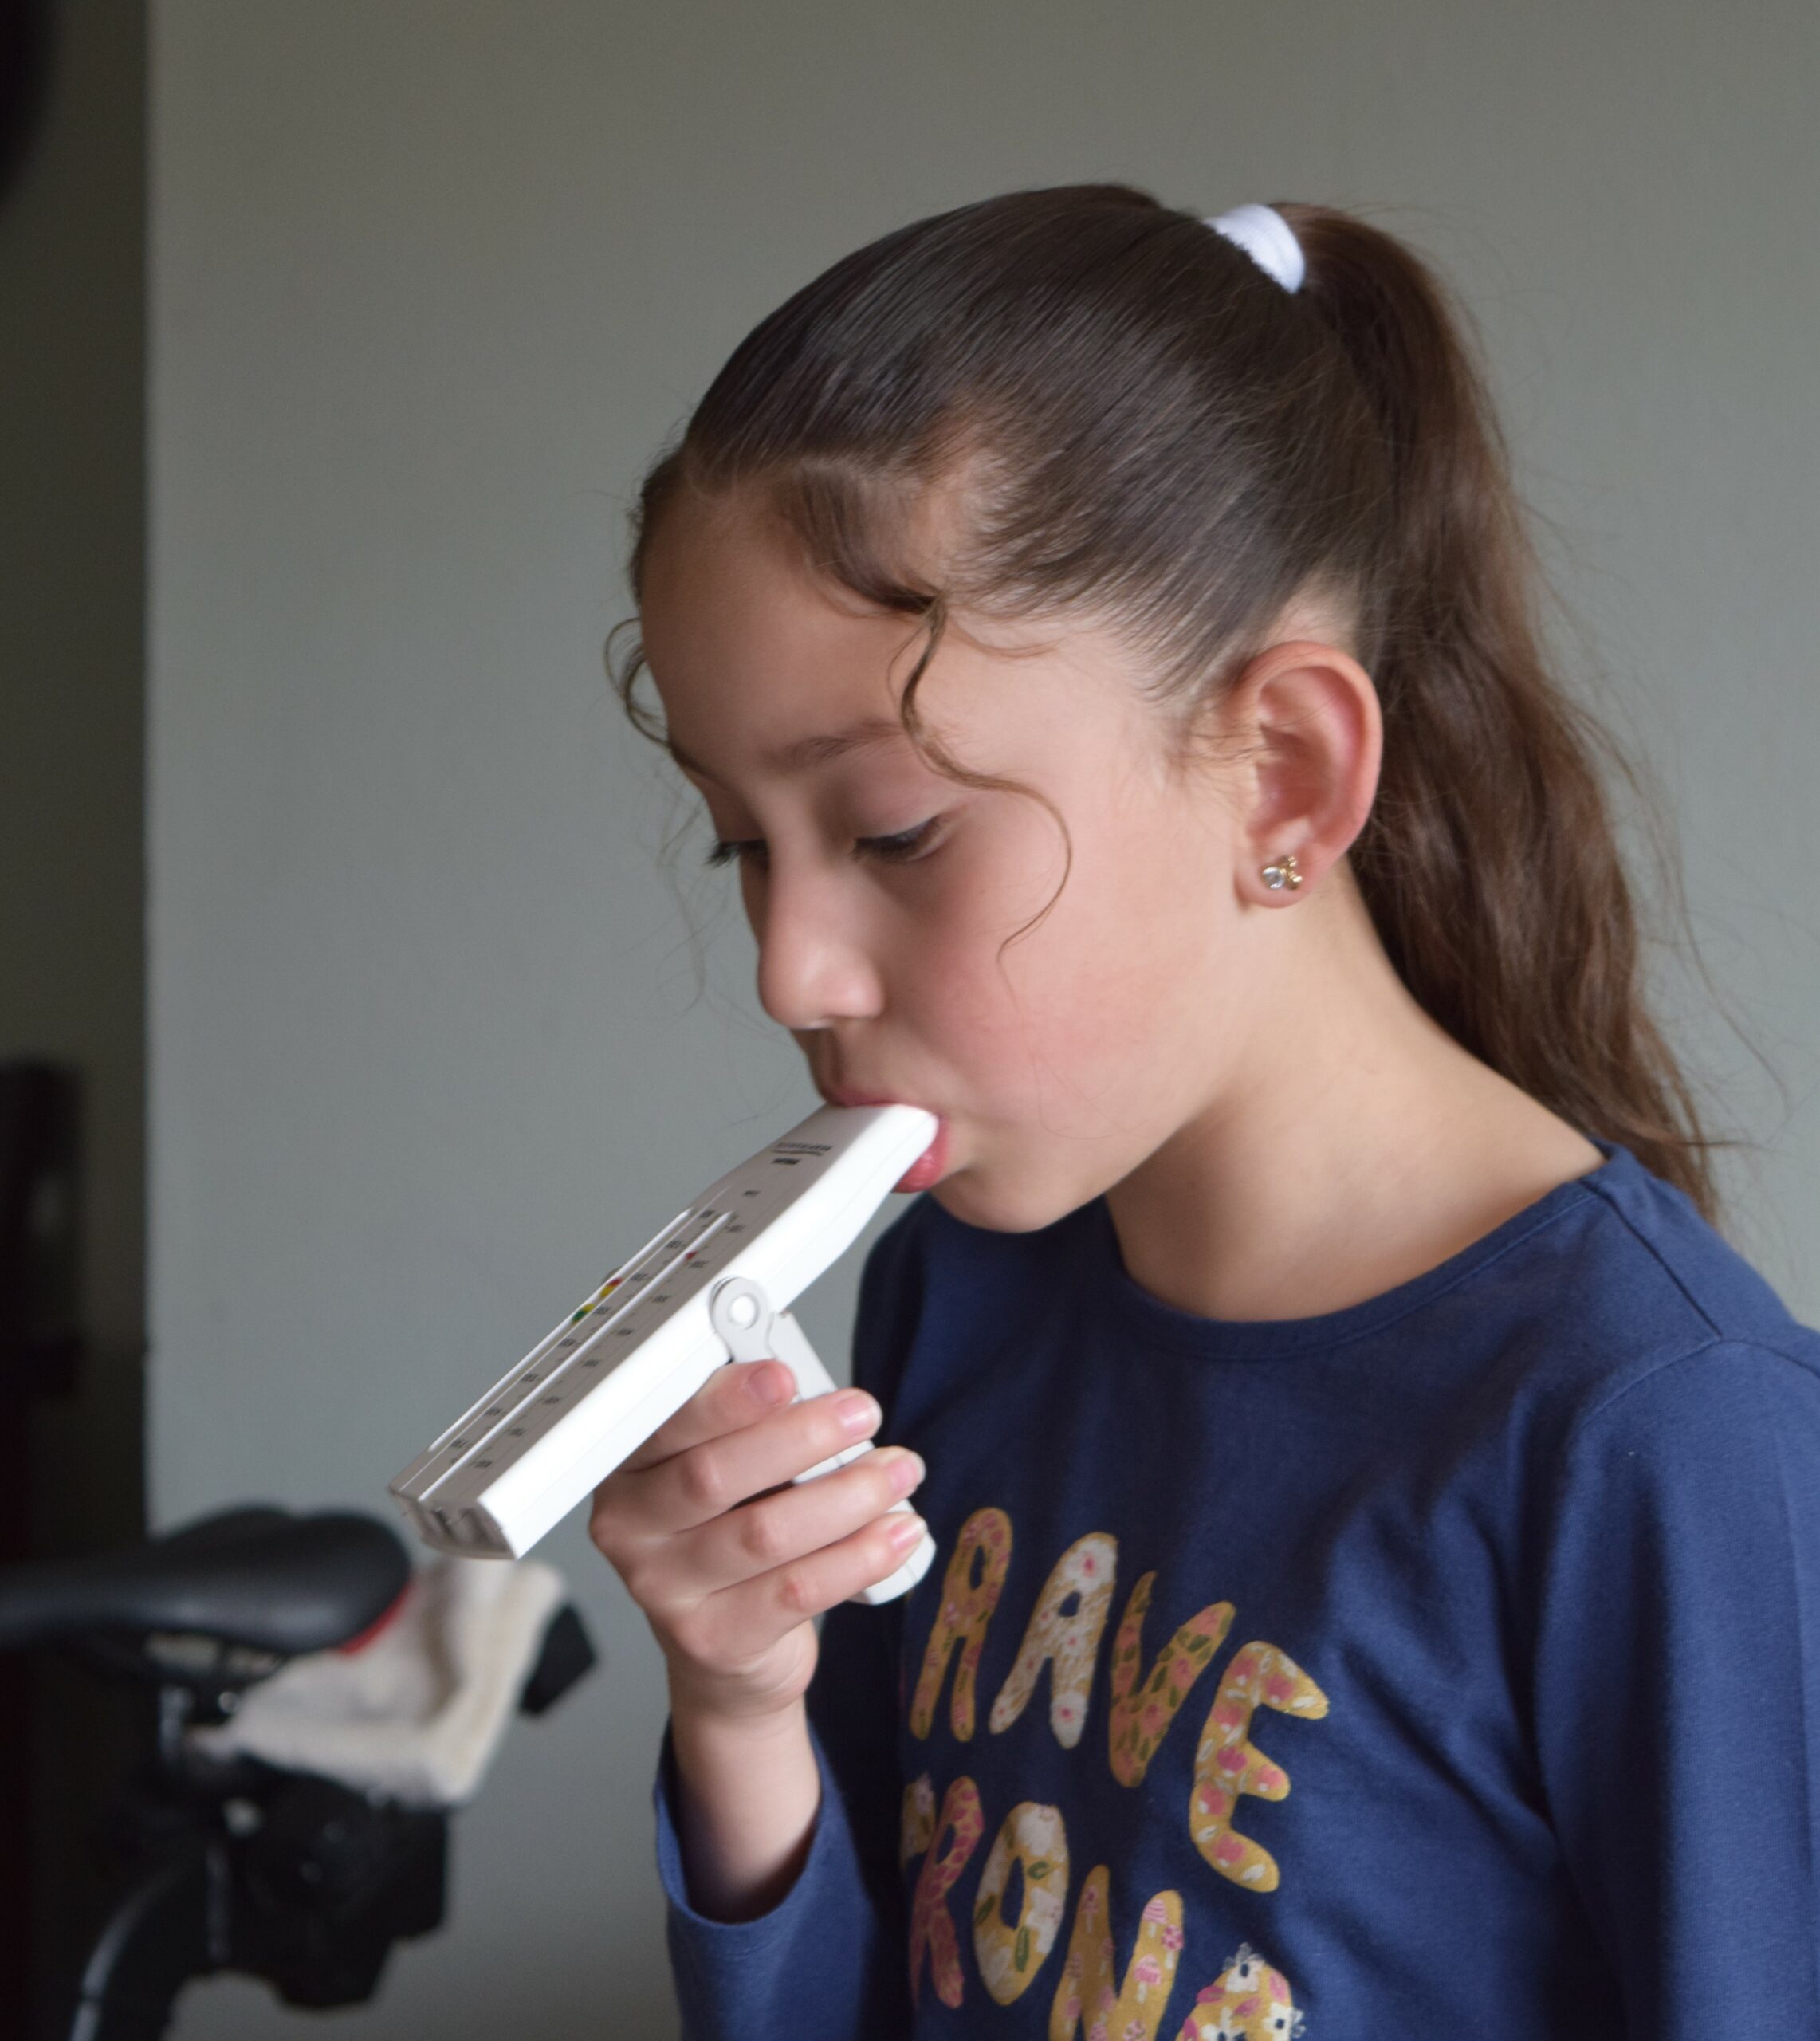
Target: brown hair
(1137, 424)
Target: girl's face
(880, 891)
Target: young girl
(1378, 1517)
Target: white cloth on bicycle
(416, 1709)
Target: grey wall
(430, 282)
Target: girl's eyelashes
(905, 848)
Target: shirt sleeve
(1677, 1689)
(827, 1963)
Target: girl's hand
(727, 1560)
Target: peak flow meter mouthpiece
(714, 1286)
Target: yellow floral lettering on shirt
(965, 1615)
(1085, 2000)
(1139, 1720)
(1228, 1763)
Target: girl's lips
(929, 1166)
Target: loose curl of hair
(1135, 422)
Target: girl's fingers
(737, 1394)
(720, 1545)
(704, 1481)
(741, 1622)
(795, 1525)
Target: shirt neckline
(1131, 1308)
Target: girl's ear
(1304, 717)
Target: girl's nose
(815, 965)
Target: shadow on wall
(73, 83)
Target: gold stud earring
(1281, 873)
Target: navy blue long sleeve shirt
(1444, 1665)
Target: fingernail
(906, 1531)
(857, 1411)
(773, 1383)
(905, 1473)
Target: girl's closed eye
(908, 847)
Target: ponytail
(1488, 864)
(1171, 441)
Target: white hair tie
(1267, 237)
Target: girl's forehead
(1055, 726)
(748, 651)
(766, 671)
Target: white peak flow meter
(714, 1286)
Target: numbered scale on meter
(712, 1285)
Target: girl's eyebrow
(805, 751)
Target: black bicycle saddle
(254, 1576)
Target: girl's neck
(1355, 1146)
